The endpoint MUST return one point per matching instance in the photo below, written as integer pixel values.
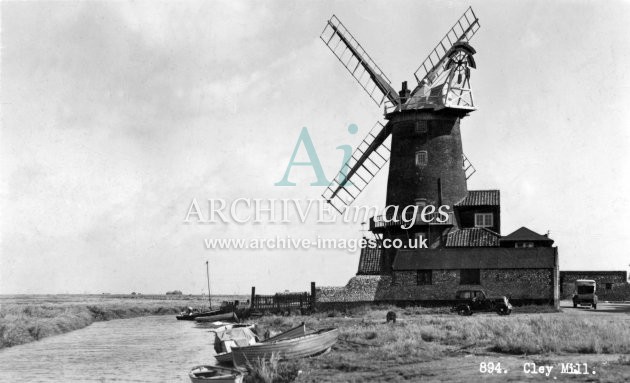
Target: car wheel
(504, 311)
(464, 311)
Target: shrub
(272, 371)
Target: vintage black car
(476, 300)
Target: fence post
(251, 302)
(313, 297)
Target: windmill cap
(464, 46)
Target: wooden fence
(281, 302)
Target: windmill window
(421, 127)
(424, 277)
(422, 158)
(522, 245)
(484, 220)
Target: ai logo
(305, 140)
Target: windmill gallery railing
(283, 302)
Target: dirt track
(602, 308)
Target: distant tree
(174, 292)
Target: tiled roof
(481, 198)
(370, 261)
(524, 234)
(473, 237)
(476, 258)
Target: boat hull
(289, 334)
(308, 345)
(299, 331)
(230, 326)
(196, 315)
(217, 317)
(224, 357)
(215, 374)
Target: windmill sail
(356, 60)
(463, 30)
(366, 161)
(469, 169)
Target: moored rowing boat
(191, 314)
(215, 374)
(298, 331)
(300, 347)
(219, 316)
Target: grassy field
(26, 318)
(434, 345)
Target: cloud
(117, 114)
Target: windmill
(426, 161)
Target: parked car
(585, 293)
(476, 300)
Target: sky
(116, 115)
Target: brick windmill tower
(427, 165)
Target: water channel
(145, 349)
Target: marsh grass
(624, 360)
(535, 309)
(541, 334)
(371, 350)
(26, 320)
(417, 335)
(380, 310)
(272, 370)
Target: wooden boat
(192, 314)
(215, 374)
(298, 331)
(308, 345)
(224, 357)
(218, 316)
